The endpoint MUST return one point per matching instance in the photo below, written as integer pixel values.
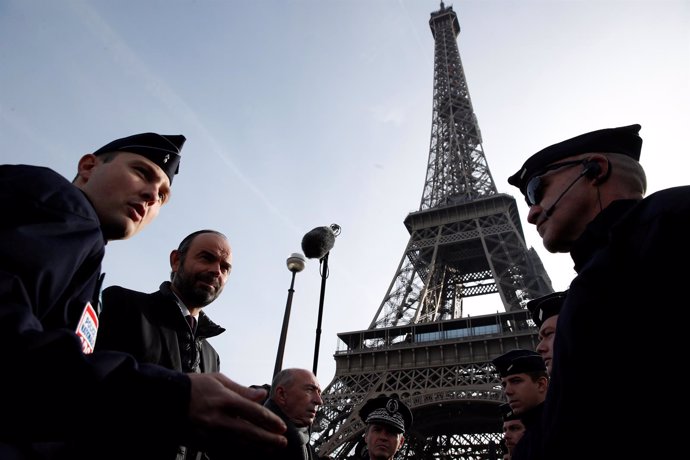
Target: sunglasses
(535, 186)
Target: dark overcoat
(152, 328)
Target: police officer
(525, 383)
(387, 419)
(586, 197)
(544, 311)
(513, 429)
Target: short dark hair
(183, 248)
(187, 241)
(536, 375)
(105, 158)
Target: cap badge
(392, 406)
(167, 157)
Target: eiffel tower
(466, 240)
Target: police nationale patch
(88, 328)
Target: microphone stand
(324, 275)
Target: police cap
(544, 307)
(624, 139)
(519, 361)
(164, 150)
(387, 410)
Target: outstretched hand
(222, 409)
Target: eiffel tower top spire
(466, 239)
(457, 170)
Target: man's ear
(85, 167)
(598, 168)
(280, 394)
(174, 260)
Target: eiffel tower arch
(466, 240)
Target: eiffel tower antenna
(466, 240)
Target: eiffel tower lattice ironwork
(466, 240)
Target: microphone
(319, 241)
(316, 244)
(553, 206)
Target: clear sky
(304, 113)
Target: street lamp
(295, 263)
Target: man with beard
(168, 327)
(513, 429)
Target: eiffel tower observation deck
(466, 240)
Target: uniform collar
(596, 234)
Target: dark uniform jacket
(152, 328)
(527, 448)
(54, 397)
(617, 346)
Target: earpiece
(591, 169)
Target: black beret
(164, 150)
(519, 361)
(507, 413)
(387, 410)
(624, 139)
(546, 306)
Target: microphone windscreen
(318, 242)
